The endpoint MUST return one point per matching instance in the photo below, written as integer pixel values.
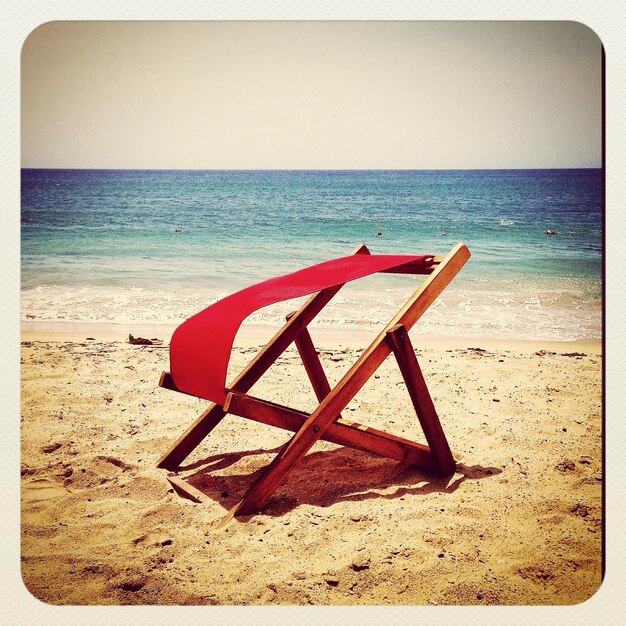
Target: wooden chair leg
(190, 439)
(262, 489)
(422, 401)
(311, 362)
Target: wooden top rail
(415, 267)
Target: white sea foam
(116, 229)
(548, 315)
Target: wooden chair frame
(325, 422)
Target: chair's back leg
(207, 420)
(312, 363)
(190, 439)
(422, 402)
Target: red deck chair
(200, 349)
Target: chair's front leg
(314, 427)
(262, 489)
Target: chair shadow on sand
(322, 478)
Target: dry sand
(519, 523)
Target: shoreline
(256, 335)
(459, 313)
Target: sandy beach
(519, 523)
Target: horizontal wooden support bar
(341, 432)
(414, 267)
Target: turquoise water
(103, 246)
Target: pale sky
(311, 95)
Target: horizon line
(313, 169)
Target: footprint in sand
(42, 489)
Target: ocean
(139, 247)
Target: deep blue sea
(136, 247)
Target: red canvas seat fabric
(200, 347)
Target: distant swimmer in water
(550, 232)
(379, 233)
(443, 233)
(177, 229)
